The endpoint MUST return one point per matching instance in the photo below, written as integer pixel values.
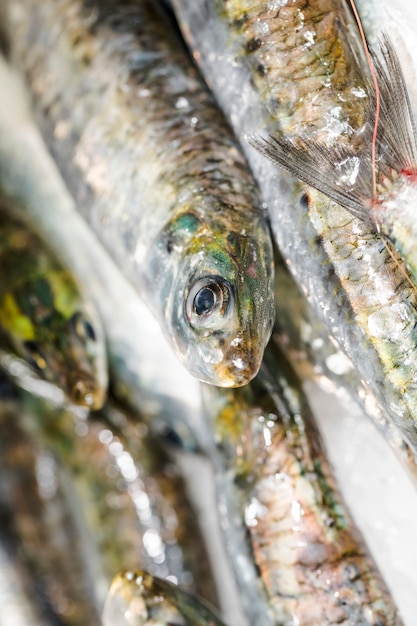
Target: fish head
(221, 305)
(49, 323)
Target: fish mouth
(238, 368)
(87, 392)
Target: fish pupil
(204, 301)
(89, 330)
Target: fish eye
(35, 358)
(207, 296)
(83, 327)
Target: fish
(356, 285)
(156, 172)
(45, 316)
(297, 555)
(127, 494)
(20, 601)
(137, 598)
(144, 372)
(38, 524)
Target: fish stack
(144, 262)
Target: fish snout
(240, 366)
(86, 392)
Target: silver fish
(144, 371)
(157, 173)
(44, 314)
(44, 529)
(127, 494)
(296, 552)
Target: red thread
(377, 95)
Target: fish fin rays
(335, 171)
(397, 125)
(344, 173)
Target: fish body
(157, 173)
(340, 263)
(38, 524)
(300, 559)
(304, 340)
(127, 493)
(144, 371)
(45, 316)
(139, 599)
(382, 193)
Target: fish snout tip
(239, 367)
(87, 393)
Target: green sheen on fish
(139, 599)
(297, 554)
(358, 287)
(45, 317)
(154, 168)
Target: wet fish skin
(149, 601)
(277, 486)
(304, 340)
(307, 62)
(144, 371)
(128, 494)
(161, 179)
(343, 267)
(383, 195)
(43, 529)
(45, 316)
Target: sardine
(298, 557)
(138, 599)
(356, 285)
(144, 372)
(127, 493)
(157, 173)
(45, 316)
(304, 340)
(45, 534)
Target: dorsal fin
(344, 173)
(397, 118)
(337, 172)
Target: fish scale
(139, 599)
(304, 63)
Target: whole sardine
(45, 316)
(358, 286)
(127, 493)
(138, 599)
(297, 554)
(154, 168)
